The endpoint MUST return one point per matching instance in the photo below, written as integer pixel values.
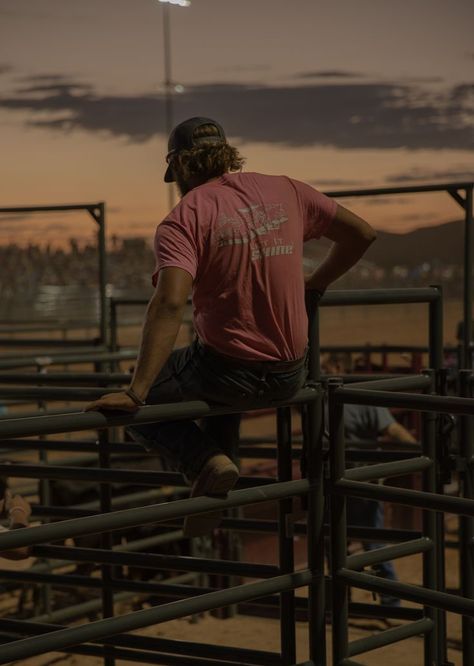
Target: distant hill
(443, 243)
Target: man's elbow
(167, 306)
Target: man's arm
(351, 236)
(163, 319)
(398, 433)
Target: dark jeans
(369, 513)
(199, 373)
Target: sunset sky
(353, 93)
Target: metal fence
(274, 588)
(97, 212)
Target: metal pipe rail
(116, 520)
(64, 638)
(466, 203)
(427, 403)
(9, 362)
(47, 425)
(65, 378)
(338, 297)
(97, 212)
(156, 644)
(353, 482)
(52, 393)
(119, 520)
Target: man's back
(241, 238)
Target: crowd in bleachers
(130, 264)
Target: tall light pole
(168, 82)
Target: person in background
(235, 241)
(16, 511)
(362, 423)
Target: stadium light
(180, 3)
(170, 87)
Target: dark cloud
(243, 68)
(328, 74)
(424, 79)
(416, 175)
(5, 69)
(49, 78)
(345, 115)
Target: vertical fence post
(313, 450)
(100, 217)
(338, 518)
(468, 250)
(430, 572)
(113, 326)
(106, 540)
(285, 538)
(44, 494)
(466, 524)
(436, 362)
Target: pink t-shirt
(241, 239)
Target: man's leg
(224, 431)
(183, 445)
(194, 451)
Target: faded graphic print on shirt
(256, 225)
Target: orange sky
(412, 68)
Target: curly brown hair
(208, 159)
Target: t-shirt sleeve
(380, 419)
(317, 209)
(175, 246)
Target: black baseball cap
(182, 138)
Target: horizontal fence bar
(409, 382)
(63, 393)
(49, 209)
(74, 344)
(66, 359)
(178, 647)
(379, 296)
(420, 595)
(388, 469)
(388, 553)
(30, 647)
(157, 561)
(424, 403)
(70, 446)
(44, 425)
(416, 498)
(92, 474)
(373, 534)
(66, 378)
(389, 636)
(117, 475)
(90, 582)
(406, 189)
(116, 520)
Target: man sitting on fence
(235, 240)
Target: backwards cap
(182, 138)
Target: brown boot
(216, 478)
(18, 511)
